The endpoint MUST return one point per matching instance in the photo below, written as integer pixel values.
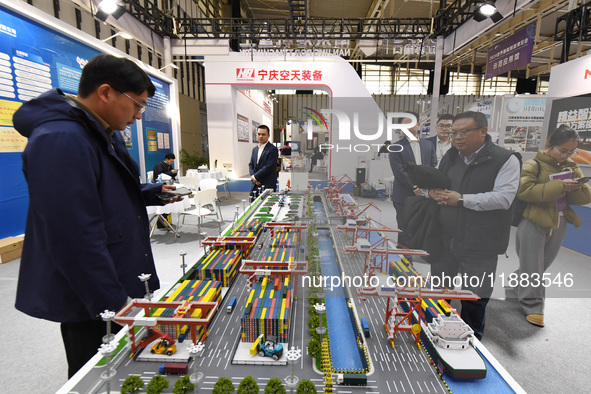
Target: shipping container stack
(191, 290)
(267, 310)
(220, 265)
(250, 228)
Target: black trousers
(82, 341)
(404, 236)
(478, 271)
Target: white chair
(190, 182)
(150, 177)
(199, 211)
(209, 197)
(196, 211)
(208, 183)
(224, 181)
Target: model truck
(352, 379)
(173, 368)
(231, 305)
(365, 327)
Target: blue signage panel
(34, 59)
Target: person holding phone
(543, 227)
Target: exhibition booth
(38, 53)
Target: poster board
(38, 53)
(575, 112)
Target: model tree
(313, 322)
(157, 385)
(274, 386)
(306, 386)
(248, 386)
(223, 386)
(183, 386)
(132, 384)
(313, 348)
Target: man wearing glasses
(441, 140)
(475, 212)
(87, 231)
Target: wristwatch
(460, 202)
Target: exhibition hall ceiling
(471, 57)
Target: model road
(403, 369)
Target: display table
(216, 174)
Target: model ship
(450, 342)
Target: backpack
(520, 205)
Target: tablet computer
(178, 192)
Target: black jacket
(421, 220)
(87, 236)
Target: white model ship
(450, 341)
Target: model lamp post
(183, 253)
(195, 351)
(144, 278)
(292, 356)
(108, 317)
(106, 350)
(321, 310)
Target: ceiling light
(123, 34)
(487, 9)
(108, 6)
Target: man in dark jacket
(415, 151)
(87, 232)
(474, 212)
(165, 167)
(263, 162)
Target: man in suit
(415, 151)
(441, 141)
(263, 162)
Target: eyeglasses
(141, 107)
(444, 126)
(462, 133)
(562, 153)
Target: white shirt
(261, 149)
(416, 150)
(442, 148)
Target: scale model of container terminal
(304, 285)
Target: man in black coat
(263, 162)
(165, 167)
